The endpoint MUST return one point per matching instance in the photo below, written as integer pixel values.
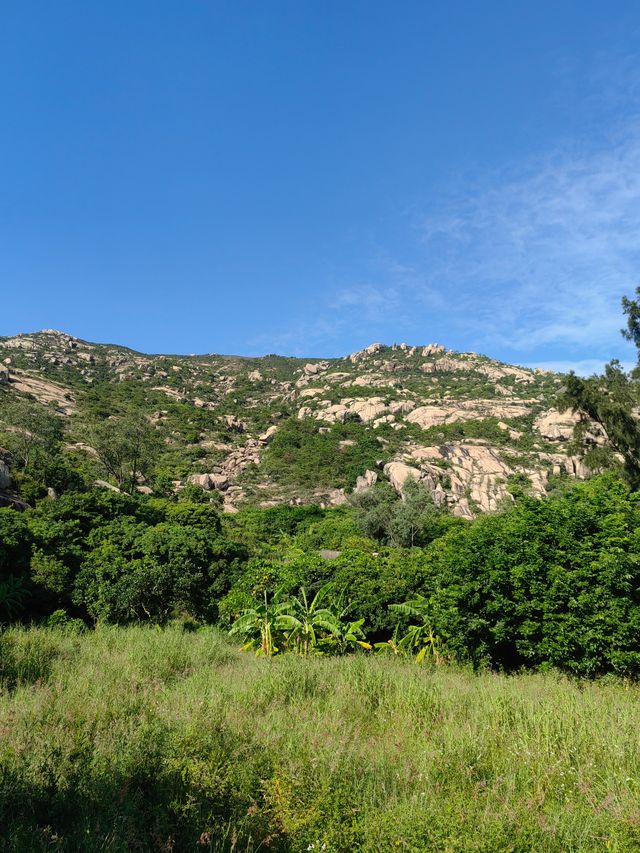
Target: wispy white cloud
(527, 263)
(539, 256)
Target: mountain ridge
(465, 425)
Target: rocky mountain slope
(275, 429)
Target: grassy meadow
(166, 740)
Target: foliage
(300, 454)
(549, 583)
(403, 522)
(611, 402)
(257, 625)
(126, 446)
(36, 432)
(419, 639)
(300, 624)
(257, 527)
(13, 594)
(305, 622)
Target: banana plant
(389, 647)
(419, 639)
(351, 637)
(306, 622)
(258, 626)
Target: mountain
(277, 429)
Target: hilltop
(276, 429)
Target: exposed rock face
(555, 426)
(314, 368)
(399, 472)
(336, 497)
(372, 349)
(44, 391)
(102, 484)
(403, 388)
(170, 392)
(366, 481)
(366, 410)
(432, 349)
(234, 423)
(268, 434)
(466, 410)
(220, 482)
(477, 476)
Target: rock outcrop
(466, 410)
(555, 426)
(366, 410)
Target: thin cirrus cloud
(527, 264)
(540, 258)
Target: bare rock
(220, 482)
(234, 423)
(44, 390)
(336, 497)
(372, 349)
(432, 349)
(466, 410)
(398, 474)
(366, 481)
(268, 434)
(556, 426)
(102, 484)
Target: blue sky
(307, 177)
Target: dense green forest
(547, 583)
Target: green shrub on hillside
(301, 455)
(551, 582)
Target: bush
(301, 455)
(550, 583)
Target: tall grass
(137, 739)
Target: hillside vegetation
(275, 430)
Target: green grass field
(141, 739)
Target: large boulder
(466, 410)
(220, 482)
(366, 481)
(399, 472)
(556, 426)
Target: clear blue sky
(307, 177)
